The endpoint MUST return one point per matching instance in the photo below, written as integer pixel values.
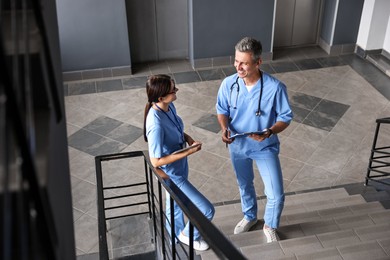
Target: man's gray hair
(252, 45)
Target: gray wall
(218, 25)
(93, 34)
(327, 20)
(348, 21)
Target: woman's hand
(198, 147)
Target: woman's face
(171, 96)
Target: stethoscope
(177, 124)
(258, 112)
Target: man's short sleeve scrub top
(241, 107)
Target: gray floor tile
(229, 70)
(125, 133)
(130, 235)
(208, 122)
(304, 101)
(300, 114)
(308, 64)
(81, 88)
(363, 251)
(307, 244)
(335, 212)
(290, 231)
(321, 120)
(324, 254)
(354, 221)
(109, 85)
(280, 67)
(352, 200)
(264, 251)
(385, 244)
(319, 227)
(332, 108)
(333, 239)
(248, 239)
(303, 217)
(331, 61)
(185, 77)
(104, 146)
(86, 234)
(381, 217)
(102, 125)
(213, 74)
(134, 82)
(373, 232)
(83, 139)
(366, 208)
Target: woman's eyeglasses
(175, 89)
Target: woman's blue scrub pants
(271, 173)
(200, 201)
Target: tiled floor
(335, 100)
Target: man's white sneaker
(199, 245)
(270, 234)
(244, 225)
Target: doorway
(296, 23)
(158, 29)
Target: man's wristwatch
(270, 132)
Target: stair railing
(163, 235)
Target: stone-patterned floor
(327, 144)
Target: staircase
(381, 61)
(348, 222)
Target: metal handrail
(223, 248)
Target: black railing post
(191, 237)
(147, 188)
(153, 204)
(103, 251)
(161, 219)
(173, 231)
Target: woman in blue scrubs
(252, 101)
(164, 132)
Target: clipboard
(185, 149)
(248, 133)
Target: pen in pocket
(226, 134)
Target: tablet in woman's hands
(187, 148)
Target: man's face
(245, 66)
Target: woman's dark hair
(156, 86)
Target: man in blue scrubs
(252, 101)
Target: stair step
(381, 62)
(310, 248)
(320, 238)
(325, 224)
(317, 227)
(298, 213)
(297, 203)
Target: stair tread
(364, 222)
(293, 213)
(311, 249)
(296, 202)
(326, 224)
